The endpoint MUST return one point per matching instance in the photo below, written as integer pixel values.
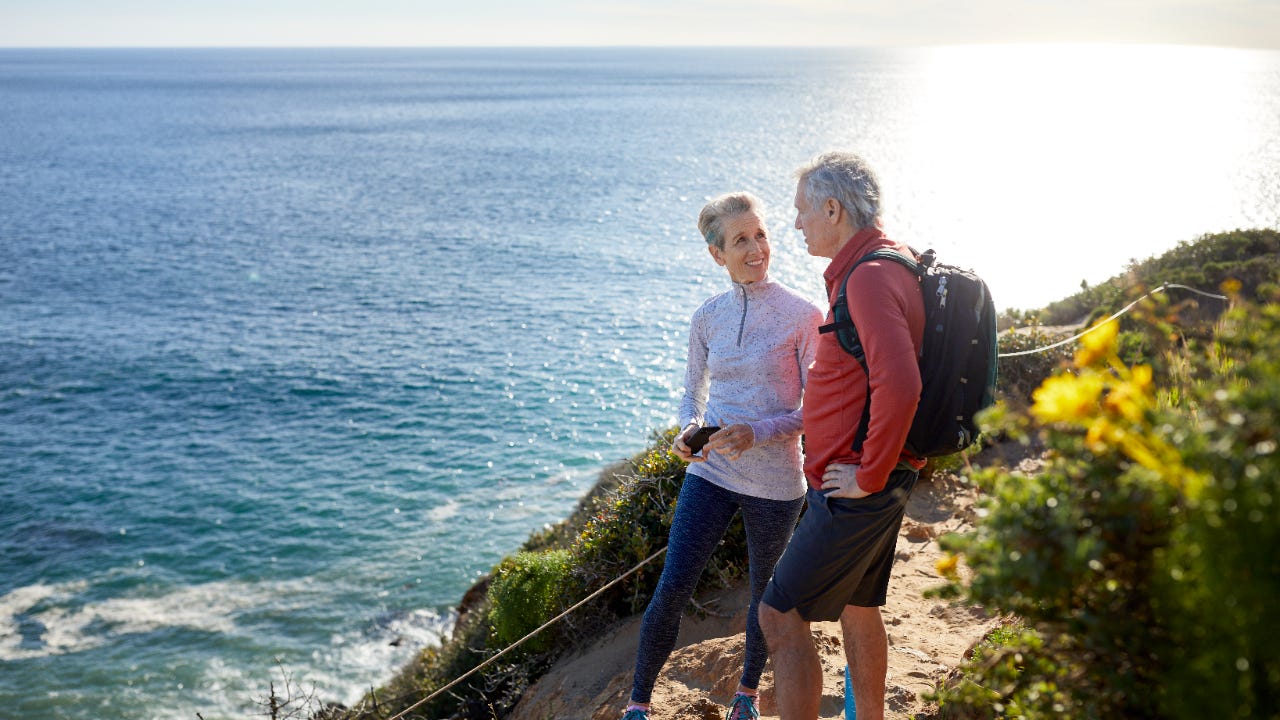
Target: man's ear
(833, 210)
(715, 254)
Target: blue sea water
(295, 344)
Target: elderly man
(838, 561)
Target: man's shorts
(842, 552)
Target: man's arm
(883, 299)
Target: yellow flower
(1142, 376)
(1098, 342)
(1101, 432)
(1066, 398)
(1147, 454)
(1231, 286)
(946, 566)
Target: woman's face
(746, 248)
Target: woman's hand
(841, 481)
(680, 449)
(731, 441)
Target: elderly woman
(750, 348)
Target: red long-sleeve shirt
(888, 310)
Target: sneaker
(743, 707)
(636, 714)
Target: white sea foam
(443, 512)
(351, 663)
(57, 623)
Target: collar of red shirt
(862, 242)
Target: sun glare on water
(1077, 159)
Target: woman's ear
(715, 254)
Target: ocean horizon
(295, 344)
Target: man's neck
(847, 231)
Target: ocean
(297, 344)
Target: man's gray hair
(848, 179)
(711, 219)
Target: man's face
(814, 223)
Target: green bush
(1144, 556)
(525, 593)
(1008, 656)
(1250, 257)
(630, 523)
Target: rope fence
(521, 641)
(1122, 311)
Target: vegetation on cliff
(1140, 564)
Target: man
(838, 561)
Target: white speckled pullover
(750, 349)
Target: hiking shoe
(743, 707)
(636, 714)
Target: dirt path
(926, 639)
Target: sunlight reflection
(1049, 148)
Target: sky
(280, 23)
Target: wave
(44, 620)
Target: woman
(749, 353)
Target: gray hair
(846, 178)
(711, 219)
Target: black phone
(700, 437)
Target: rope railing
(1122, 311)
(521, 641)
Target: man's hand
(841, 481)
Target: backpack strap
(847, 333)
(842, 322)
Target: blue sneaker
(636, 714)
(743, 707)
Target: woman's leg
(702, 514)
(769, 524)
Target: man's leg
(768, 525)
(866, 647)
(797, 671)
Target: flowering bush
(1143, 558)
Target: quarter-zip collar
(745, 293)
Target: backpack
(957, 357)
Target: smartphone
(700, 437)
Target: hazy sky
(169, 23)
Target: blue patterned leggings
(702, 515)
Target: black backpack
(957, 357)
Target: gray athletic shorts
(842, 552)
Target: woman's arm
(806, 347)
(697, 383)
(697, 377)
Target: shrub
(631, 523)
(1250, 257)
(525, 594)
(1143, 556)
